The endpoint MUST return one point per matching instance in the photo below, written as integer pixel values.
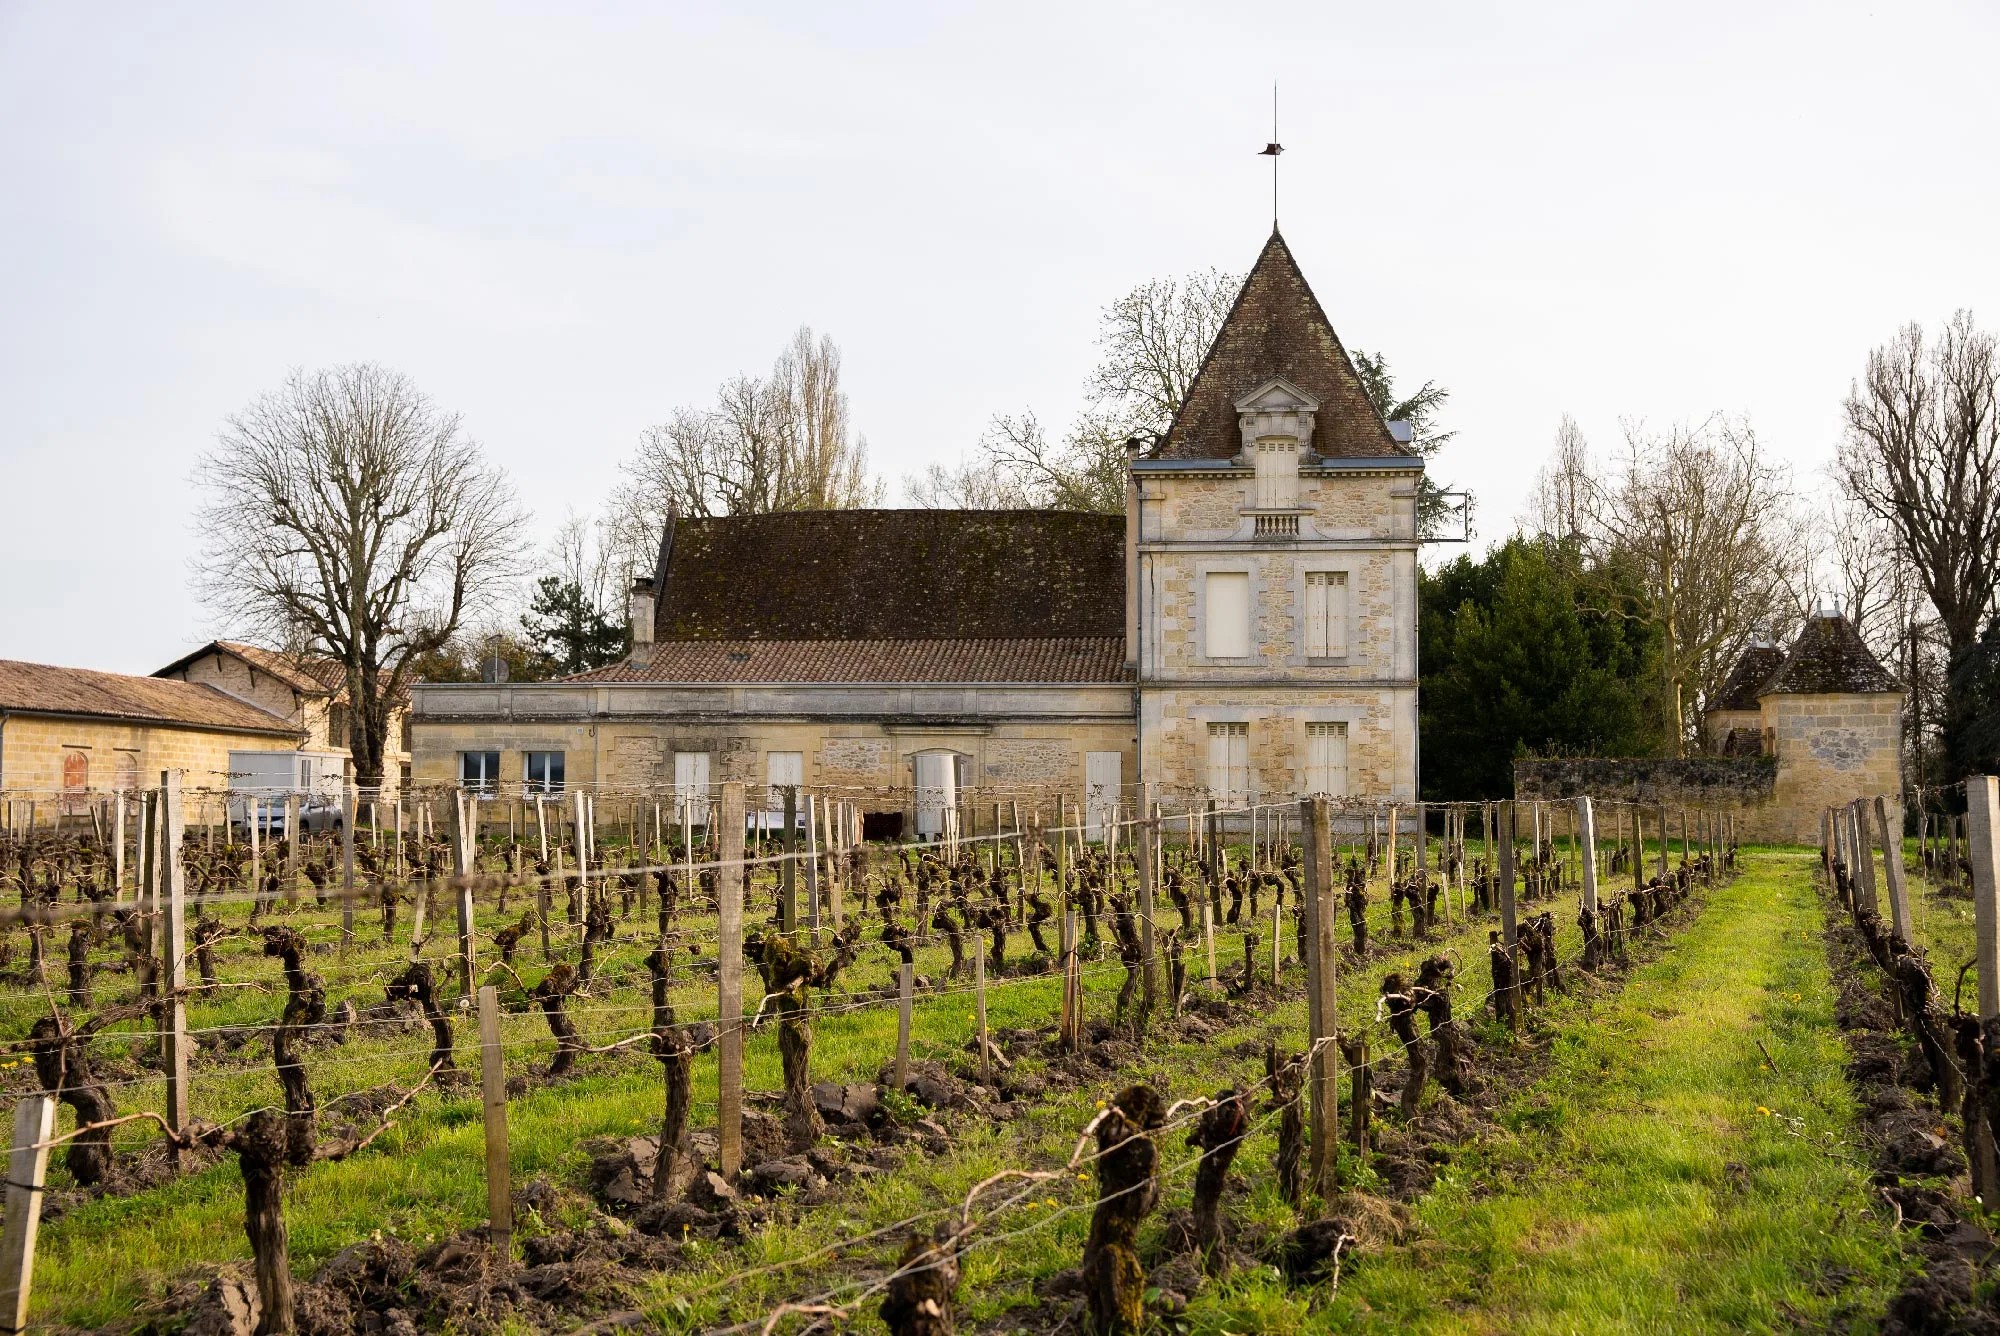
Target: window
(1229, 763)
(691, 786)
(1326, 614)
(1227, 633)
(1277, 474)
(479, 771)
(1326, 759)
(544, 772)
(337, 735)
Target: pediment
(1277, 395)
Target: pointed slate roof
(1829, 658)
(1746, 680)
(1276, 328)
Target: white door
(782, 770)
(691, 785)
(937, 790)
(1103, 787)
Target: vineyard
(619, 1061)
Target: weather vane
(1271, 151)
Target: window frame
(488, 782)
(1234, 734)
(545, 784)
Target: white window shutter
(1336, 614)
(1316, 614)
(1227, 611)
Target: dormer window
(1277, 464)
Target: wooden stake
(906, 984)
(27, 1171)
(1208, 939)
(788, 876)
(1892, 866)
(493, 1092)
(346, 870)
(1149, 971)
(461, 847)
(1586, 824)
(1316, 823)
(1982, 825)
(729, 983)
(173, 891)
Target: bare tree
(1704, 522)
(1922, 452)
(1559, 505)
(348, 507)
(775, 443)
(1151, 342)
(973, 484)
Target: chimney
(642, 619)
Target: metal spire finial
(1271, 151)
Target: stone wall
(36, 752)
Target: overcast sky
(563, 222)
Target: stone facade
(1044, 653)
(49, 756)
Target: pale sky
(563, 221)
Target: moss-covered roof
(1829, 658)
(1746, 680)
(1277, 328)
(893, 575)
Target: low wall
(1746, 786)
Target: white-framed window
(691, 785)
(1229, 763)
(479, 771)
(1326, 759)
(1277, 464)
(1326, 614)
(543, 771)
(1226, 613)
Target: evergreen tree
(570, 630)
(1519, 656)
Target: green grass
(1660, 1177)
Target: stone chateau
(1247, 627)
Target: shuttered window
(1326, 614)
(1277, 474)
(1227, 610)
(1229, 762)
(1326, 759)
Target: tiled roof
(1829, 658)
(1746, 680)
(1276, 328)
(308, 674)
(39, 688)
(1071, 659)
(893, 576)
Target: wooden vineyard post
(541, 827)
(979, 1010)
(906, 984)
(118, 848)
(172, 897)
(1389, 853)
(1982, 813)
(1208, 942)
(461, 849)
(1638, 847)
(493, 1092)
(1316, 821)
(1508, 927)
(729, 983)
(788, 876)
(346, 869)
(1277, 939)
(812, 867)
(290, 871)
(27, 1169)
(1864, 857)
(1892, 868)
(1149, 972)
(1662, 867)
(1586, 830)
